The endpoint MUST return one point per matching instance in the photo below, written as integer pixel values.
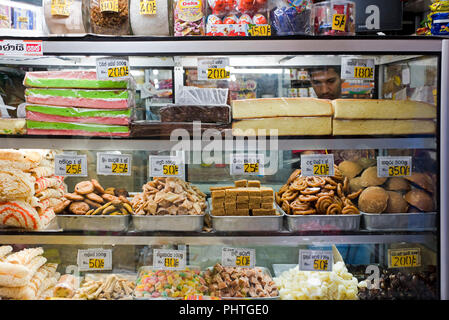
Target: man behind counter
(326, 82)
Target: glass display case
(277, 180)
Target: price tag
(21, 48)
(259, 30)
(166, 166)
(112, 68)
(68, 165)
(247, 164)
(357, 69)
(60, 8)
(110, 164)
(339, 22)
(315, 260)
(213, 69)
(394, 166)
(169, 259)
(109, 5)
(404, 258)
(94, 259)
(319, 165)
(147, 7)
(233, 257)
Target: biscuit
(84, 187)
(218, 194)
(242, 199)
(254, 205)
(218, 205)
(253, 192)
(242, 206)
(74, 197)
(221, 188)
(253, 184)
(264, 212)
(266, 205)
(108, 197)
(94, 197)
(232, 192)
(230, 206)
(79, 208)
(110, 191)
(230, 211)
(266, 191)
(242, 212)
(255, 199)
(61, 206)
(241, 183)
(93, 204)
(218, 212)
(97, 186)
(243, 192)
(268, 199)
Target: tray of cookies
(169, 204)
(92, 208)
(246, 206)
(319, 203)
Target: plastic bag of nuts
(109, 17)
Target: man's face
(327, 84)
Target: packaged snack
(109, 17)
(259, 19)
(150, 21)
(69, 17)
(295, 19)
(5, 17)
(250, 6)
(245, 19)
(213, 19)
(334, 18)
(232, 19)
(23, 19)
(189, 18)
(222, 7)
(440, 24)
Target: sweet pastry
(369, 178)
(373, 200)
(84, 187)
(397, 184)
(396, 203)
(349, 169)
(420, 199)
(422, 180)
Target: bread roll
(396, 203)
(373, 200)
(349, 169)
(397, 184)
(370, 178)
(420, 199)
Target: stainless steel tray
(399, 221)
(264, 270)
(52, 227)
(278, 268)
(168, 223)
(93, 223)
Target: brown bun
(422, 180)
(349, 169)
(373, 200)
(366, 162)
(355, 184)
(420, 199)
(396, 203)
(370, 178)
(397, 184)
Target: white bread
(379, 127)
(280, 107)
(382, 109)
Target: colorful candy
(231, 19)
(213, 19)
(245, 19)
(259, 19)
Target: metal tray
(93, 223)
(264, 270)
(278, 269)
(399, 221)
(168, 223)
(51, 227)
(316, 222)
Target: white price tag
(319, 165)
(213, 69)
(21, 48)
(394, 166)
(68, 165)
(357, 69)
(315, 260)
(169, 259)
(166, 166)
(94, 259)
(110, 164)
(404, 258)
(247, 164)
(238, 257)
(112, 68)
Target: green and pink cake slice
(76, 129)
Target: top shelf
(132, 45)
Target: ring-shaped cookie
(306, 212)
(289, 195)
(308, 191)
(298, 185)
(315, 182)
(323, 203)
(334, 208)
(354, 195)
(350, 210)
(307, 198)
(293, 176)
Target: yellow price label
(109, 5)
(147, 7)
(321, 169)
(3, 17)
(170, 169)
(395, 171)
(260, 31)
(410, 260)
(251, 167)
(96, 263)
(171, 262)
(60, 7)
(217, 73)
(363, 72)
(73, 169)
(339, 22)
(22, 19)
(116, 72)
(119, 168)
(320, 264)
(242, 261)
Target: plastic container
(107, 21)
(71, 18)
(292, 18)
(334, 18)
(189, 18)
(147, 22)
(5, 17)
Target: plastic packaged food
(109, 17)
(69, 17)
(440, 24)
(148, 21)
(295, 19)
(189, 18)
(75, 129)
(5, 17)
(334, 18)
(207, 114)
(23, 19)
